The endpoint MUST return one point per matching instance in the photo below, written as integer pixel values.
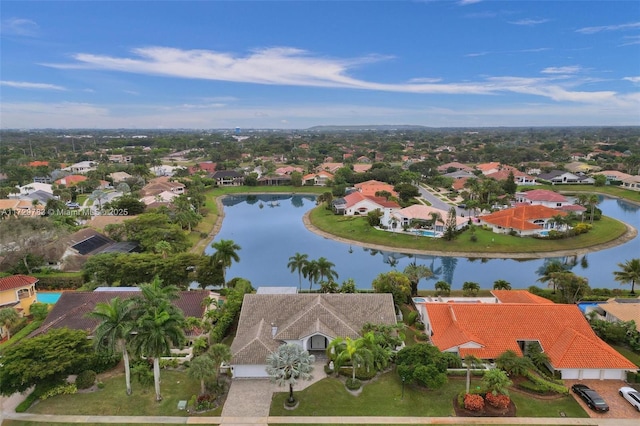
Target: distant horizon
(299, 64)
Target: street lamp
(402, 387)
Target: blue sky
(295, 64)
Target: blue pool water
(584, 305)
(419, 299)
(544, 233)
(50, 297)
(427, 233)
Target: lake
(269, 230)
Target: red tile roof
(521, 217)
(16, 281)
(545, 195)
(370, 187)
(519, 296)
(562, 330)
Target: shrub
(473, 402)
(205, 402)
(412, 317)
(328, 370)
(419, 325)
(86, 379)
(497, 401)
(64, 389)
(353, 384)
(422, 337)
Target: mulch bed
(488, 411)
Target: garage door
(249, 371)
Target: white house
(358, 204)
(82, 167)
(542, 197)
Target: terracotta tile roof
(370, 187)
(70, 180)
(625, 310)
(356, 197)
(562, 330)
(295, 316)
(544, 195)
(73, 306)
(519, 296)
(16, 281)
(521, 217)
(488, 166)
(361, 168)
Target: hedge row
(547, 385)
(53, 282)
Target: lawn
(384, 397)
(113, 400)
(357, 228)
(628, 354)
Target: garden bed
(487, 411)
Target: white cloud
(562, 70)
(633, 79)
(529, 22)
(467, 2)
(19, 27)
(630, 40)
(27, 85)
(619, 27)
(425, 80)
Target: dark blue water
(269, 230)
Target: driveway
(619, 408)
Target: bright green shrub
(86, 379)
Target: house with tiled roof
(542, 197)
(330, 167)
(361, 168)
(524, 220)
(358, 204)
(71, 309)
(488, 168)
(619, 310)
(17, 292)
(613, 175)
(559, 177)
(632, 183)
(309, 320)
(401, 218)
(320, 178)
(454, 165)
(519, 178)
(160, 184)
(371, 187)
(228, 178)
(487, 330)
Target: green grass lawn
(113, 399)
(634, 357)
(614, 191)
(358, 229)
(383, 397)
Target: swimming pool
(427, 233)
(543, 233)
(584, 305)
(49, 297)
(419, 300)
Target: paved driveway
(619, 408)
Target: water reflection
(269, 236)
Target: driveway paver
(619, 408)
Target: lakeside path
(629, 235)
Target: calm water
(269, 229)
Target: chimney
(274, 329)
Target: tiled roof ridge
(256, 337)
(60, 318)
(317, 302)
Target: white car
(631, 395)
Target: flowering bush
(64, 389)
(473, 402)
(205, 402)
(497, 401)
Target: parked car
(590, 397)
(631, 395)
(73, 206)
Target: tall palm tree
(415, 273)
(593, 200)
(296, 263)
(470, 362)
(325, 269)
(501, 285)
(158, 330)
(629, 273)
(226, 253)
(435, 218)
(547, 272)
(310, 270)
(114, 330)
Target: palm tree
(501, 285)
(325, 269)
(159, 325)
(443, 288)
(470, 288)
(114, 330)
(310, 270)
(470, 362)
(349, 350)
(496, 381)
(547, 272)
(296, 263)
(219, 353)
(162, 247)
(593, 200)
(629, 273)
(201, 368)
(156, 332)
(288, 364)
(226, 253)
(435, 218)
(415, 273)
(8, 317)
